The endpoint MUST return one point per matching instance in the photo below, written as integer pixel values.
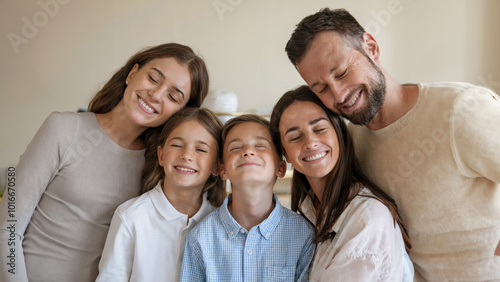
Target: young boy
(251, 237)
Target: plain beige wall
(56, 54)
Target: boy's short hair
(250, 118)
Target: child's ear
(222, 172)
(217, 169)
(281, 169)
(160, 155)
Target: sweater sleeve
(36, 168)
(475, 129)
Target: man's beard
(375, 96)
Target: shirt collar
(266, 227)
(269, 224)
(168, 211)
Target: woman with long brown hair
(80, 166)
(359, 234)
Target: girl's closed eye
(176, 145)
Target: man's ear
(281, 169)
(222, 172)
(371, 47)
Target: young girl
(359, 233)
(146, 238)
(80, 166)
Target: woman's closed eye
(152, 79)
(294, 137)
(172, 98)
(176, 95)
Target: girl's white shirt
(146, 239)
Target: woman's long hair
(344, 182)
(153, 172)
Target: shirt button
(231, 232)
(283, 271)
(250, 252)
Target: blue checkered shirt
(278, 249)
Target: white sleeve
(118, 253)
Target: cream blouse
(368, 245)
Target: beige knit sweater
(441, 163)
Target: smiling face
(309, 140)
(188, 156)
(250, 157)
(156, 91)
(344, 79)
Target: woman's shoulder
(60, 128)
(370, 223)
(366, 206)
(69, 120)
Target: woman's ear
(132, 72)
(371, 47)
(286, 156)
(160, 155)
(281, 169)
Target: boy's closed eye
(261, 146)
(234, 148)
